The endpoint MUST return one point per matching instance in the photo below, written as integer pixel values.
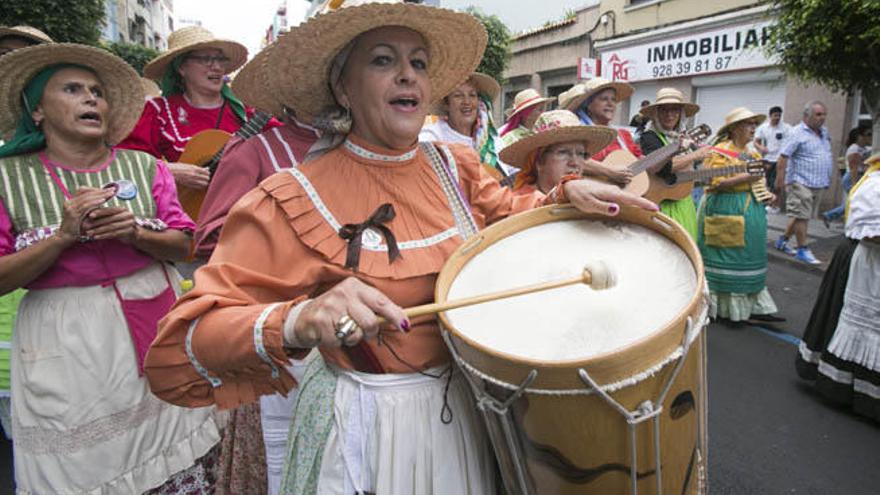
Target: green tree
(832, 42)
(497, 54)
(136, 55)
(76, 21)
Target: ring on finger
(345, 326)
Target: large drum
(585, 391)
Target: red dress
(168, 123)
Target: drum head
(658, 284)
(655, 282)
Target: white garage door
(718, 100)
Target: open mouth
(216, 79)
(405, 103)
(93, 118)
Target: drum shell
(579, 443)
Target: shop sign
(722, 50)
(588, 68)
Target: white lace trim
(368, 245)
(215, 382)
(370, 155)
(258, 338)
(40, 441)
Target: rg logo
(619, 68)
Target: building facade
(145, 22)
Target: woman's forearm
(736, 180)
(168, 245)
(21, 268)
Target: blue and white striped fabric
(809, 157)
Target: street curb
(777, 255)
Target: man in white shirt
(768, 141)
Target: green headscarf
(172, 84)
(28, 137)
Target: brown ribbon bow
(353, 233)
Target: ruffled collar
(371, 154)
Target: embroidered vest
(35, 204)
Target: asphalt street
(769, 432)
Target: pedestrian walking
(769, 138)
(804, 171)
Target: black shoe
(767, 318)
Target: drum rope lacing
(647, 410)
(609, 387)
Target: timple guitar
(680, 184)
(204, 150)
(639, 167)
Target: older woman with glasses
(557, 146)
(192, 75)
(316, 254)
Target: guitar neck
(704, 174)
(248, 130)
(654, 159)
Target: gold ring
(345, 326)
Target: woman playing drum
(316, 254)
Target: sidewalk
(822, 241)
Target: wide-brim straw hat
(26, 32)
(195, 38)
(122, 85)
(526, 98)
(303, 56)
(485, 85)
(873, 159)
(250, 85)
(574, 97)
(670, 96)
(557, 126)
(740, 114)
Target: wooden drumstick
(595, 274)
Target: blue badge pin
(125, 190)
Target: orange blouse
(222, 342)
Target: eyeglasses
(568, 155)
(209, 60)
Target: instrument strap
(220, 114)
(443, 164)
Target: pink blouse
(100, 262)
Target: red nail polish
(613, 209)
(405, 325)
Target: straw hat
(557, 126)
(27, 32)
(151, 89)
(670, 96)
(250, 84)
(740, 114)
(195, 38)
(122, 85)
(574, 97)
(873, 159)
(302, 57)
(484, 85)
(526, 98)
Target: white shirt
(443, 132)
(772, 137)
